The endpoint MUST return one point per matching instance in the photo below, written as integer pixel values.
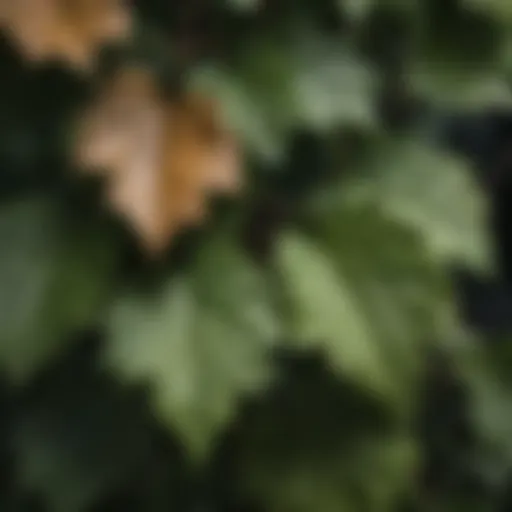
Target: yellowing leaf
(162, 160)
(201, 344)
(72, 31)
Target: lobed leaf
(202, 343)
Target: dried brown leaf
(70, 30)
(162, 160)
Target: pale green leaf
(403, 293)
(255, 95)
(357, 10)
(202, 343)
(365, 289)
(501, 10)
(332, 85)
(245, 5)
(307, 82)
(325, 311)
(360, 10)
(242, 110)
(449, 86)
(435, 194)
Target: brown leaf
(71, 30)
(162, 160)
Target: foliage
(298, 349)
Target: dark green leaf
(53, 282)
(314, 444)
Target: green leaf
(332, 85)
(360, 10)
(456, 57)
(364, 289)
(501, 10)
(256, 96)
(54, 281)
(452, 88)
(357, 10)
(433, 193)
(380, 471)
(314, 444)
(80, 438)
(202, 343)
(242, 110)
(485, 371)
(324, 311)
(245, 5)
(307, 82)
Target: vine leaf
(308, 81)
(202, 343)
(70, 31)
(324, 310)
(54, 280)
(162, 160)
(363, 288)
(432, 192)
(501, 10)
(315, 443)
(74, 452)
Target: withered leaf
(69, 30)
(162, 159)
